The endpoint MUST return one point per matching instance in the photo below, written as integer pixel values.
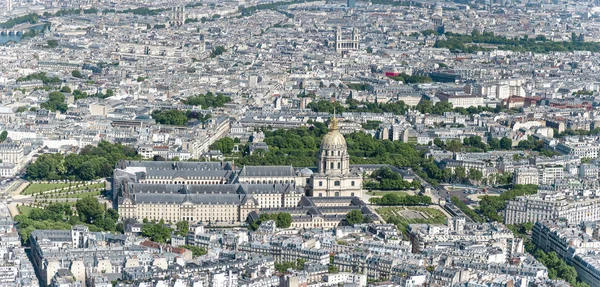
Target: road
(10, 193)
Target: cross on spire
(334, 122)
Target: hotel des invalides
(219, 193)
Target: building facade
(526, 175)
(344, 45)
(209, 203)
(334, 176)
(11, 152)
(534, 208)
(575, 247)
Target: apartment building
(552, 206)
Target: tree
(494, 143)
(76, 74)
(89, 209)
(207, 100)
(284, 220)
(218, 50)
(120, 227)
(438, 142)
(505, 143)
(65, 89)
(332, 269)
(56, 102)
(3, 136)
(475, 175)
(112, 214)
(460, 173)
(87, 170)
(140, 79)
(225, 145)
(170, 117)
(52, 43)
(157, 232)
(182, 228)
(454, 145)
(326, 107)
(355, 217)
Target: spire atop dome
(333, 125)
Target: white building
(461, 100)
(533, 208)
(526, 175)
(8, 169)
(580, 147)
(550, 174)
(224, 279)
(359, 280)
(11, 153)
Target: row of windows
(337, 183)
(336, 194)
(183, 182)
(268, 181)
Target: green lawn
(91, 186)
(382, 193)
(39, 187)
(81, 194)
(25, 210)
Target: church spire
(333, 125)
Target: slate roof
(142, 188)
(176, 165)
(257, 171)
(207, 199)
(189, 174)
(269, 188)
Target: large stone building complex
(220, 193)
(220, 203)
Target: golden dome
(333, 139)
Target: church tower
(334, 176)
(333, 155)
(355, 39)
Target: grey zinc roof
(306, 171)
(139, 188)
(249, 171)
(188, 174)
(176, 165)
(53, 235)
(209, 199)
(144, 188)
(268, 188)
